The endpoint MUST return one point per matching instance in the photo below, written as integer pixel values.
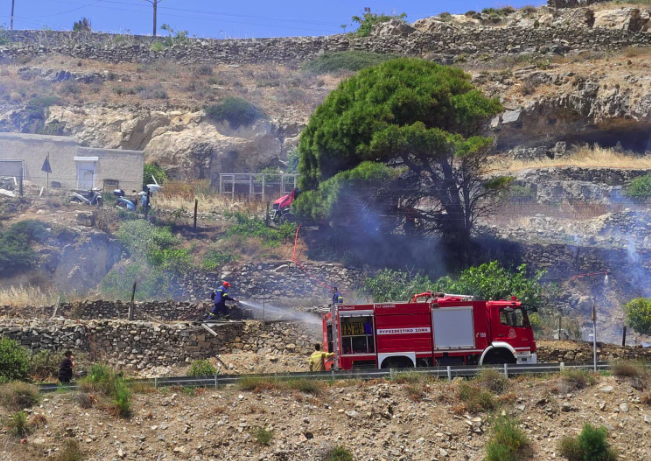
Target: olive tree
(420, 119)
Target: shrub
(83, 25)
(590, 445)
(157, 47)
(263, 436)
(257, 384)
(85, 400)
(475, 400)
(639, 188)
(338, 453)
(14, 361)
(15, 246)
(353, 61)
(101, 378)
(236, 111)
(255, 228)
(493, 381)
(369, 20)
(507, 442)
(17, 395)
(214, 259)
(121, 405)
(303, 385)
(202, 70)
(43, 365)
(638, 314)
(626, 369)
(201, 368)
(17, 424)
(70, 451)
(70, 87)
(153, 170)
(571, 380)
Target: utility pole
(11, 27)
(155, 5)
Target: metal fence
(443, 372)
(262, 186)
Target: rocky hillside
(416, 420)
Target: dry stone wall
(142, 345)
(573, 3)
(440, 45)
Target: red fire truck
(430, 329)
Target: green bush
(639, 188)
(236, 111)
(152, 282)
(638, 314)
(474, 399)
(369, 20)
(493, 380)
(14, 360)
(121, 394)
(263, 436)
(153, 170)
(17, 424)
(338, 453)
(590, 445)
(487, 281)
(43, 365)
(572, 380)
(507, 442)
(18, 395)
(71, 451)
(256, 228)
(345, 60)
(303, 385)
(200, 368)
(16, 251)
(214, 259)
(103, 379)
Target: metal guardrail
(446, 372)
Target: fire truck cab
(429, 330)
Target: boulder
(433, 25)
(393, 27)
(632, 19)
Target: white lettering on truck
(403, 331)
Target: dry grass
(23, 296)
(587, 157)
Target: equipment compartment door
(453, 328)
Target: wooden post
(11, 27)
(133, 296)
(266, 216)
(251, 187)
(148, 204)
(560, 318)
(196, 205)
(624, 337)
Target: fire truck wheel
(499, 357)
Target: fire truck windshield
(514, 317)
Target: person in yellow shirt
(318, 358)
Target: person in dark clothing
(336, 296)
(65, 369)
(219, 297)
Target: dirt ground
(374, 420)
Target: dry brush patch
(585, 157)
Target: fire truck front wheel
(499, 357)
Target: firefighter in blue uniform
(336, 296)
(219, 297)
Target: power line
(69, 11)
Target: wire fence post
(132, 307)
(196, 205)
(266, 216)
(449, 373)
(624, 336)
